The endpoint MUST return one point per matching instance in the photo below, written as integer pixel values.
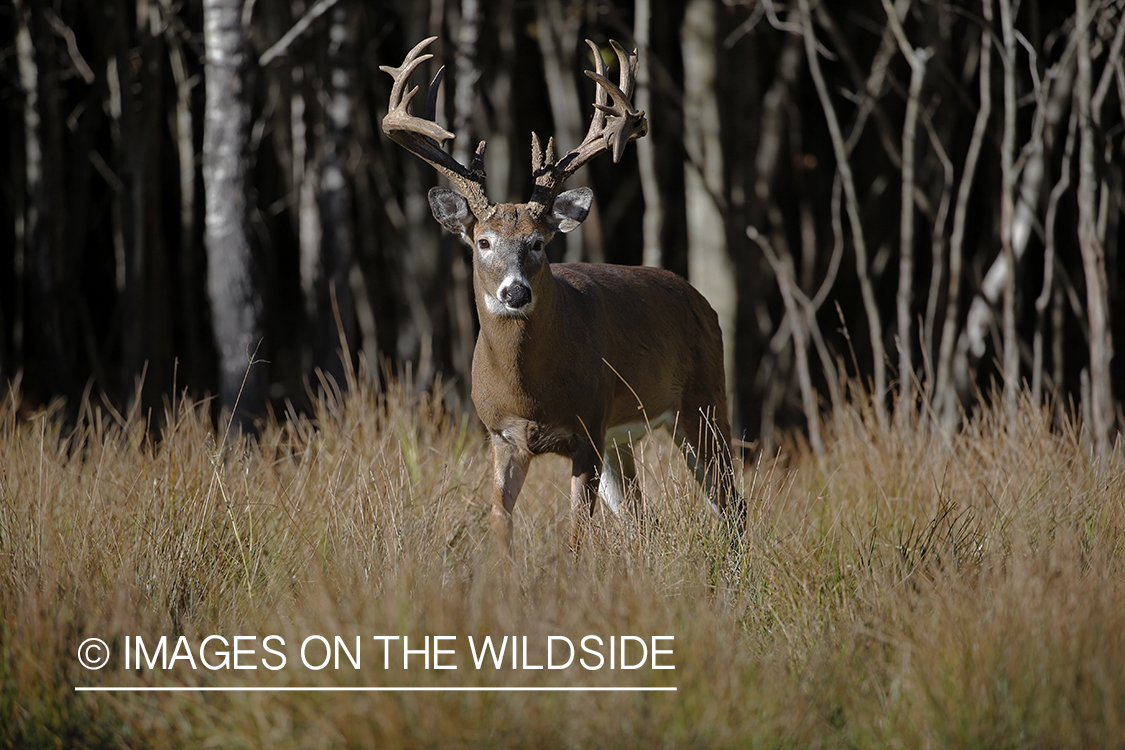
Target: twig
(1111, 63)
(869, 90)
(67, 33)
(281, 46)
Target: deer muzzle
(515, 293)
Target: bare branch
(281, 46)
(1007, 210)
(1111, 64)
(946, 395)
(875, 325)
(67, 34)
(972, 343)
(937, 241)
(799, 333)
(1049, 283)
(905, 297)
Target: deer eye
(537, 245)
(483, 243)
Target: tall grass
(907, 590)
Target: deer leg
(703, 439)
(583, 491)
(618, 482)
(619, 470)
(509, 463)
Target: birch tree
(232, 281)
(709, 265)
(1101, 406)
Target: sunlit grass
(907, 590)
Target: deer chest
(537, 437)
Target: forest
(919, 199)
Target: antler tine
(629, 63)
(401, 74)
(432, 94)
(423, 136)
(612, 127)
(597, 122)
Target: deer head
(508, 239)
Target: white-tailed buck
(577, 359)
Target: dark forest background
(921, 196)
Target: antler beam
(612, 127)
(423, 136)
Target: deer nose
(515, 294)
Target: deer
(576, 359)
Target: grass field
(908, 590)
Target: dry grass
(907, 591)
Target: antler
(423, 137)
(611, 128)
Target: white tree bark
(653, 220)
(973, 341)
(1102, 408)
(710, 268)
(904, 299)
(236, 305)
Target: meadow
(908, 589)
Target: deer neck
(517, 348)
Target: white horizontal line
(388, 689)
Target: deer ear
(451, 210)
(570, 208)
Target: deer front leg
(583, 491)
(509, 464)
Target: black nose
(515, 295)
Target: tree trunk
(710, 268)
(232, 283)
(463, 324)
(905, 296)
(48, 334)
(333, 324)
(945, 397)
(1011, 354)
(1102, 411)
(653, 221)
(146, 332)
(558, 40)
(971, 345)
